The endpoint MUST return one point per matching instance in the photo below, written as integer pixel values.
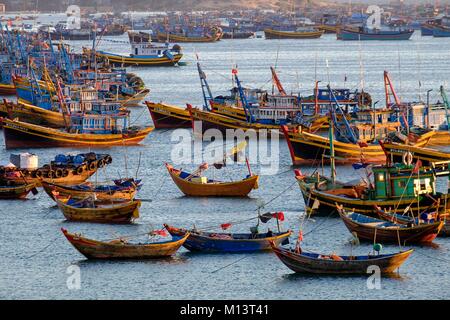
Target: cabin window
(135, 51)
(381, 177)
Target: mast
(277, 82)
(352, 137)
(243, 98)
(388, 90)
(447, 107)
(206, 90)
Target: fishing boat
(90, 210)
(441, 31)
(64, 170)
(122, 189)
(165, 116)
(123, 249)
(373, 229)
(83, 133)
(363, 34)
(212, 35)
(19, 191)
(315, 263)
(299, 34)
(196, 185)
(426, 29)
(199, 241)
(145, 53)
(397, 152)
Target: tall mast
(447, 107)
(206, 90)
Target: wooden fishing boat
(440, 31)
(406, 190)
(347, 34)
(195, 185)
(26, 112)
(275, 34)
(373, 229)
(199, 241)
(142, 60)
(165, 116)
(397, 153)
(69, 173)
(19, 134)
(90, 210)
(124, 189)
(19, 191)
(328, 28)
(120, 249)
(440, 138)
(306, 262)
(171, 37)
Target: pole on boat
(427, 124)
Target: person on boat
(269, 233)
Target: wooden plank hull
(351, 35)
(303, 264)
(65, 191)
(93, 249)
(7, 89)
(274, 34)
(178, 38)
(16, 192)
(19, 134)
(426, 155)
(119, 60)
(116, 213)
(219, 189)
(168, 117)
(28, 113)
(199, 243)
(423, 233)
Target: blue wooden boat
(199, 241)
(426, 29)
(365, 34)
(441, 32)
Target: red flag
(300, 236)
(278, 215)
(161, 232)
(417, 166)
(225, 226)
(298, 173)
(234, 71)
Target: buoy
(377, 247)
(407, 158)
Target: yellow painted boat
(166, 116)
(179, 38)
(121, 249)
(328, 28)
(7, 89)
(19, 191)
(397, 153)
(97, 211)
(189, 186)
(440, 138)
(275, 34)
(26, 112)
(20, 134)
(140, 61)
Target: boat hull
(199, 243)
(120, 60)
(28, 113)
(302, 264)
(163, 37)
(168, 117)
(426, 155)
(7, 89)
(93, 249)
(423, 233)
(220, 189)
(23, 135)
(350, 35)
(274, 34)
(16, 192)
(117, 213)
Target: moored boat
(20, 134)
(165, 116)
(373, 229)
(315, 263)
(212, 35)
(122, 249)
(123, 189)
(90, 210)
(347, 34)
(193, 184)
(17, 191)
(199, 241)
(307, 34)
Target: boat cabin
(346, 99)
(399, 181)
(434, 117)
(98, 124)
(275, 109)
(142, 46)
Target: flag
(417, 166)
(265, 217)
(359, 165)
(300, 236)
(278, 215)
(234, 71)
(225, 226)
(298, 173)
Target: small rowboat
(17, 191)
(194, 185)
(373, 229)
(305, 262)
(275, 34)
(122, 190)
(117, 249)
(229, 242)
(96, 211)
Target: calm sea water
(35, 256)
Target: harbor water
(36, 261)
